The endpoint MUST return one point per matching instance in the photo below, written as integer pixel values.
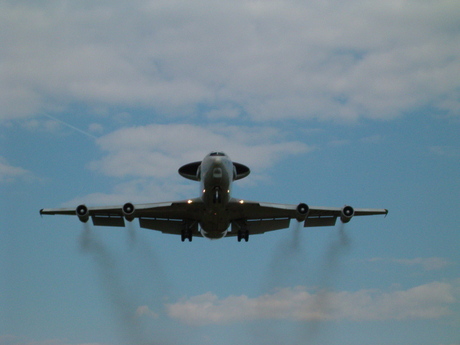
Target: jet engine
(302, 211)
(128, 211)
(347, 213)
(82, 213)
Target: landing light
(189, 201)
(241, 202)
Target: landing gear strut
(186, 234)
(243, 234)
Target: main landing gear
(186, 235)
(187, 230)
(243, 234)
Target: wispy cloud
(429, 301)
(446, 151)
(144, 310)
(433, 263)
(10, 173)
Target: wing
(259, 217)
(167, 217)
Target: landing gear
(188, 228)
(243, 234)
(186, 235)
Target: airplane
(214, 214)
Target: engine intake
(347, 213)
(302, 212)
(82, 213)
(128, 211)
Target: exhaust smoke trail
(122, 302)
(138, 242)
(296, 241)
(335, 251)
(285, 259)
(132, 236)
(287, 262)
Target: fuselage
(217, 173)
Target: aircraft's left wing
(167, 217)
(259, 217)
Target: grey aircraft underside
(214, 214)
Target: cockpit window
(217, 154)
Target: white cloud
(144, 310)
(159, 150)
(137, 191)
(145, 159)
(9, 173)
(270, 60)
(429, 301)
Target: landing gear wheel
(243, 234)
(186, 235)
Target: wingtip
(386, 212)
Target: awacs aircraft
(214, 214)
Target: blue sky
(329, 103)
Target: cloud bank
(268, 60)
(428, 301)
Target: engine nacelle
(82, 213)
(302, 212)
(128, 211)
(347, 213)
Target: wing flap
(178, 210)
(169, 226)
(260, 226)
(103, 220)
(263, 225)
(254, 210)
(319, 221)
